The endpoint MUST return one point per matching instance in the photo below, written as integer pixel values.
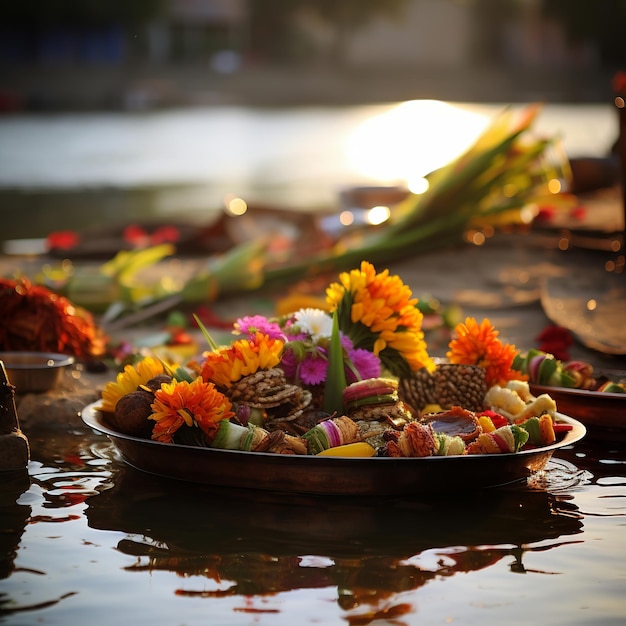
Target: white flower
(316, 322)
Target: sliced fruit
(359, 449)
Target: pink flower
(366, 363)
(313, 369)
(252, 324)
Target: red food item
(496, 419)
(370, 387)
(559, 427)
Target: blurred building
(449, 33)
(192, 30)
(424, 33)
(144, 59)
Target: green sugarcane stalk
(445, 189)
(240, 269)
(455, 177)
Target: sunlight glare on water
(410, 140)
(292, 157)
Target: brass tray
(598, 409)
(328, 475)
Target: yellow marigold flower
(192, 404)
(243, 357)
(128, 380)
(377, 311)
(478, 344)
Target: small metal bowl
(35, 372)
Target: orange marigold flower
(479, 344)
(377, 311)
(128, 380)
(243, 357)
(192, 404)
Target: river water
(75, 170)
(88, 539)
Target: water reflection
(86, 519)
(13, 519)
(369, 550)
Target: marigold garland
(243, 357)
(192, 404)
(35, 318)
(377, 311)
(479, 344)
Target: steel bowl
(35, 372)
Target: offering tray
(328, 475)
(597, 409)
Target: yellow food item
(546, 428)
(540, 405)
(431, 408)
(504, 401)
(486, 424)
(359, 449)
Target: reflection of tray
(258, 543)
(592, 408)
(253, 523)
(327, 475)
(592, 305)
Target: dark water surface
(88, 539)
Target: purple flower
(346, 343)
(313, 369)
(366, 363)
(289, 363)
(251, 324)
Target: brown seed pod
(155, 383)
(132, 412)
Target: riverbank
(140, 87)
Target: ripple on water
(560, 475)
(67, 477)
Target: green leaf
(240, 269)
(336, 375)
(212, 343)
(179, 374)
